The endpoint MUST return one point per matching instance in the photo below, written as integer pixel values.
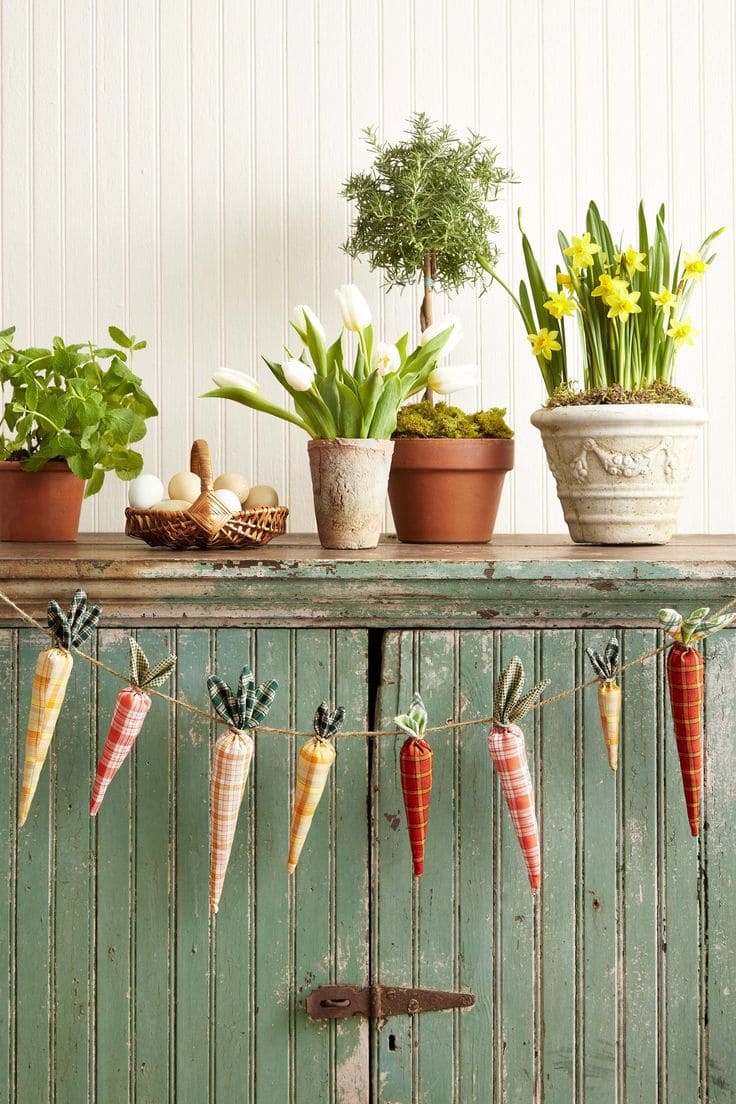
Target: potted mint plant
(621, 447)
(422, 214)
(71, 414)
(348, 410)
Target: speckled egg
(145, 491)
(262, 495)
(184, 485)
(233, 481)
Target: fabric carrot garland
(685, 677)
(415, 765)
(508, 752)
(609, 697)
(233, 756)
(313, 766)
(131, 706)
(53, 669)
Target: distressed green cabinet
(617, 987)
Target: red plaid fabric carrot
(609, 697)
(312, 769)
(50, 681)
(233, 755)
(685, 676)
(507, 747)
(131, 707)
(415, 765)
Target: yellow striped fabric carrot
(312, 769)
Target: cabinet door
(121, 986)
(618, 983)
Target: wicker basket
(212, 528)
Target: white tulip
(228, 377)
(356, 314)
(299, 317)
(386, 358)
(446, 378)
(448, 322)
(298, 375)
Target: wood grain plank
(8, 776)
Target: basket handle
(201, 464)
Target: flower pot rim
(457, 454)
(636, 412)
(50, 465)
(353, 442)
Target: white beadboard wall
(173, 166)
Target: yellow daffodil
(604, 287)
(693, 266)
(621, 301)
(681, 332)
(564, 279)
(544, 343)
(633, 261)
(581, 251)
(664, 298)
(560, 305)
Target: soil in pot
(39, 506)
(445, 491)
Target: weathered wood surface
(293, 582)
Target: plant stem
(494, 276)
(429, 274)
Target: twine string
(362, 733)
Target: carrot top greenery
(630, 303)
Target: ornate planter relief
(621, 471)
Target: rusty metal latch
(332, 1002)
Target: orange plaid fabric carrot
(415, 765)
(131, 707)
(312, 769)
(507, 747)
(685, 676)
(233, 755)
(51, 678)
(609, 697)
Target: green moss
(424, 419)
(658, 392)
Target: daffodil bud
(449, 322)
(298, 375)
(386, 358)
(446, 378)
(228, 377)
(299, 317)
(356, 314)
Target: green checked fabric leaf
(73, 628)
(696, 626)
(509, 706)
(606, 665)
(328, 722)
(414, 722)
(142, 674)
(249, 707)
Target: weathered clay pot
(447, 491)
(39, 506)
(349, 480)
(621, 471)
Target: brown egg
(169, 505)
(184, 485)
(233, 481)
(262, 495)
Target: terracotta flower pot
(39, 506)
(349, 479)
(445, 491)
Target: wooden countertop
(293, 581)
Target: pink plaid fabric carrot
(233, 755)
(609, 697)
(131, 707)
(507, 747)
(415, 764)
(51, 678)
(312, 770)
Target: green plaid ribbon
(249, 706)
(696, 626)
(510, 704)
(328, 721)
(142, 674)
(73, 628)
(606, 665)
(414, 722)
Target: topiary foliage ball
(427, 195)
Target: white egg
(262, 495)
(145, 491)
(233, 481)
(229, 500)
(169, 505)
(185, 485)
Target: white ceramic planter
(349, 481)
(621, 471)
